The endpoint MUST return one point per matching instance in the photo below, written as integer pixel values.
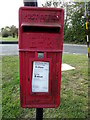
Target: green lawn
(8, 39)
(74, 90)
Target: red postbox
(40, 56)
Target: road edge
(8, 42)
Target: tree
(13, 31)
(47, 4)
(9, 31)
(17, 32)
(2, 30)
(74, 24)
(5, 31)
(78, 23)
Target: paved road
(12, 49)
(8, 49)
(75, 49)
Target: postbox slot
(43, 28)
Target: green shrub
(5, 33)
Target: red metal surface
(40, 30)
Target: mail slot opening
(46, 29)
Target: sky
(9, 11)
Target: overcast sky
(9, 11)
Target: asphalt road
(75, 49)
(8, 49)
(12, 49)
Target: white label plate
(40, 77)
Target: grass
(74, 90)
(8, 39)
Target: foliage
(74, 23)
(53, 3)
(9, 31)
(76, 30)
(13, 30)
(5, 33)
(74, 27)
